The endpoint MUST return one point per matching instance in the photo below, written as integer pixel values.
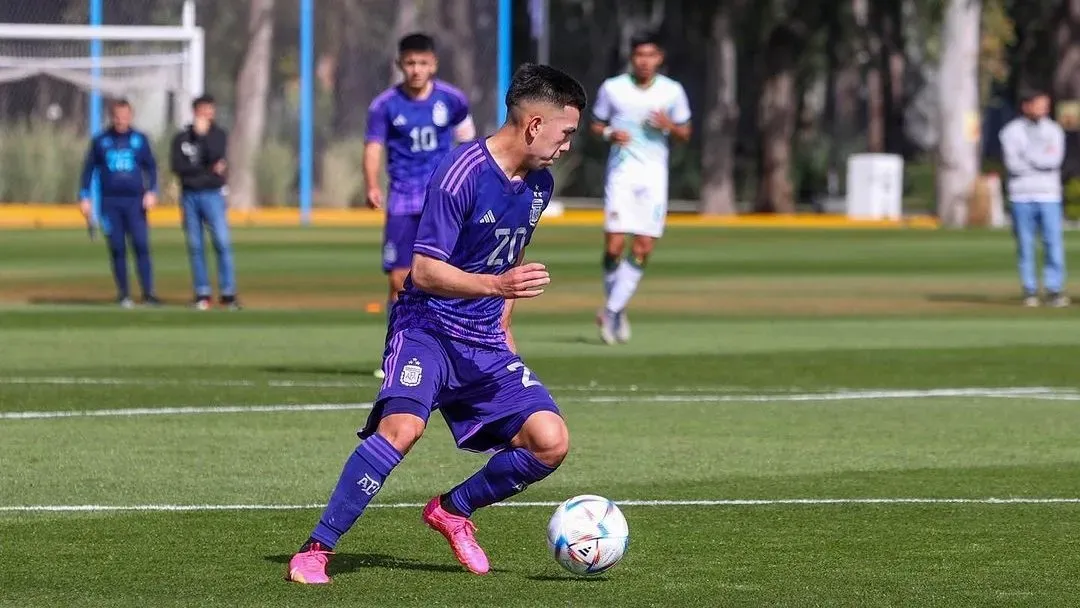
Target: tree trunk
(1067, 77)
(777, 113)
(870, 39)
(721, 116)
(459, 26)
(958, 151)
(252, 87)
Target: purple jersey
(417, 134)
(478, 220)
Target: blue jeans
(1046, 218)
(208, 207)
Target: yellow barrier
(67, 216)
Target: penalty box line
(749, 502)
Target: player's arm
(378, 127)
(441, 278)
(602, 112)
(1012, 151)
(148, 164)
(507, 314)
(87, 178)
(465, 130)
(676, 122)
(446, 206)
(1049, 157)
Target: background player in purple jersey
(417, 122)
(447, 347)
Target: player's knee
(614, 246)
(401, 430)
(546, 436)
(640, 250)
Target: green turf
(741, 382)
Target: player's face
(121, 118)
(206, 111)
(418, 68)
(1038, 107)
(646, 60)
(549, 134)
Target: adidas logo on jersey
(399, 121)
(488, 218)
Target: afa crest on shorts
(411, 373)
(537, 206)
(440, 115)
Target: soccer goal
(52, 71)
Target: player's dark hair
(202, 100)
(116, 104)
(544, 84)
(1028, 94)
(646, 37)
(416, 43)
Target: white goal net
(49, 72)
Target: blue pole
(96, 51)
(307, 107)
(505, 34)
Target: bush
(342, 174)
(40, 162)
(275, 173)
(1072, 198)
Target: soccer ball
(588, 534)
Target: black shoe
(230, 303)
(152, 301)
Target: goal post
(144, 63)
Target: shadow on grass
(551, 578)
(342, 563)
(973, 298)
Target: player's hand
(149, 201)
(660, 120)
(85, 207)
(374, 198)
(620, 138)
(220, 167)
(525, 281)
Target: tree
(252, 88)
(958, 83)
(721, 123)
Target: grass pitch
(802, 419)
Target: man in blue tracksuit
(123, 160)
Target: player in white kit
(636, 112)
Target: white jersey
(627, 107)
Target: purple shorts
(399, 232)
(485, 393)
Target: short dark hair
(416, 43)
(1029, 94)
(119, 103)
(203, 100)
(646, 37)
(544, 84)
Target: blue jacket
(124, 163)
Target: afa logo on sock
(369, 486)
(412, 373)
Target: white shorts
(635, 202)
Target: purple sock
(361, 478)
(507, 473)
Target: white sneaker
(622, 327)
(1031, 302)
(606, 322)
(126, 303)
(1060, 300)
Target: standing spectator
(1033, 147)
(198, 159)
(122, 159)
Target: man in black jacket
(198, 159)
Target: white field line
(186, 411)
(269, 383)
(748, 502)
(867, 395)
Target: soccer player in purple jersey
(417, 123)
(449, 347)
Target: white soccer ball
(588, 534)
